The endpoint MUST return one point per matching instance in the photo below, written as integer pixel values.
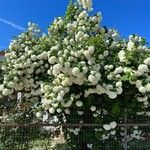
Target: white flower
(6, 92)
(80, 112)
(98, 76)
(107, 127)
(147, 87)
(59, 98)
(1, 87)
(106, 53)
(45, 116)
(83, 15)
(78, 81)
(68, 104)
(142, 89)
(79, 104)
(60, 23)
(87, 54)
(55, 105)
(119, 84)
(87, 4)
(143, 68)
(119, 90)
(55, 119)
(93, 108)
(59, 110)
(127, 70)
(30, 70)
(75, 71)
(85, 70)
(95, 19)
(121, 56)
(138, 83)
(138, 73)
(111, 66)
(33, 57)
(113, 125)
(11, 84)
(147, 61)
(79, 36)
(67, 81)
(92, 79)
(19, 95)
(148, 113)
(146, 104)
(44, 55)
(105, 137)
(67, 111)
(130, 37)
(113, 132)
(90, 146)
(130, 45)
(76, 131)
(142, 99)
(38, 114)
(109, 77)
(91, 49)
(51, 110)
(100, 56)
(57, 67)
(118, 70)
(112, 95)
(67, 65)
(52, 60)
(109, 87)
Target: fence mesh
(39, 136)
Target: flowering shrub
(80, 69)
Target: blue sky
(127, 16)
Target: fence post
(125, 143)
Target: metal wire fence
(43, 136)
(132, 133)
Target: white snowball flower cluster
(38, 114)
(25, 62)
(90, 146)
(93, 108)
(121, 56)
(130, 45)
(147, 61)
(87, 4)
(64, 64)
(110, 126)
(136, 134)
(74, 131)
(143, 68)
